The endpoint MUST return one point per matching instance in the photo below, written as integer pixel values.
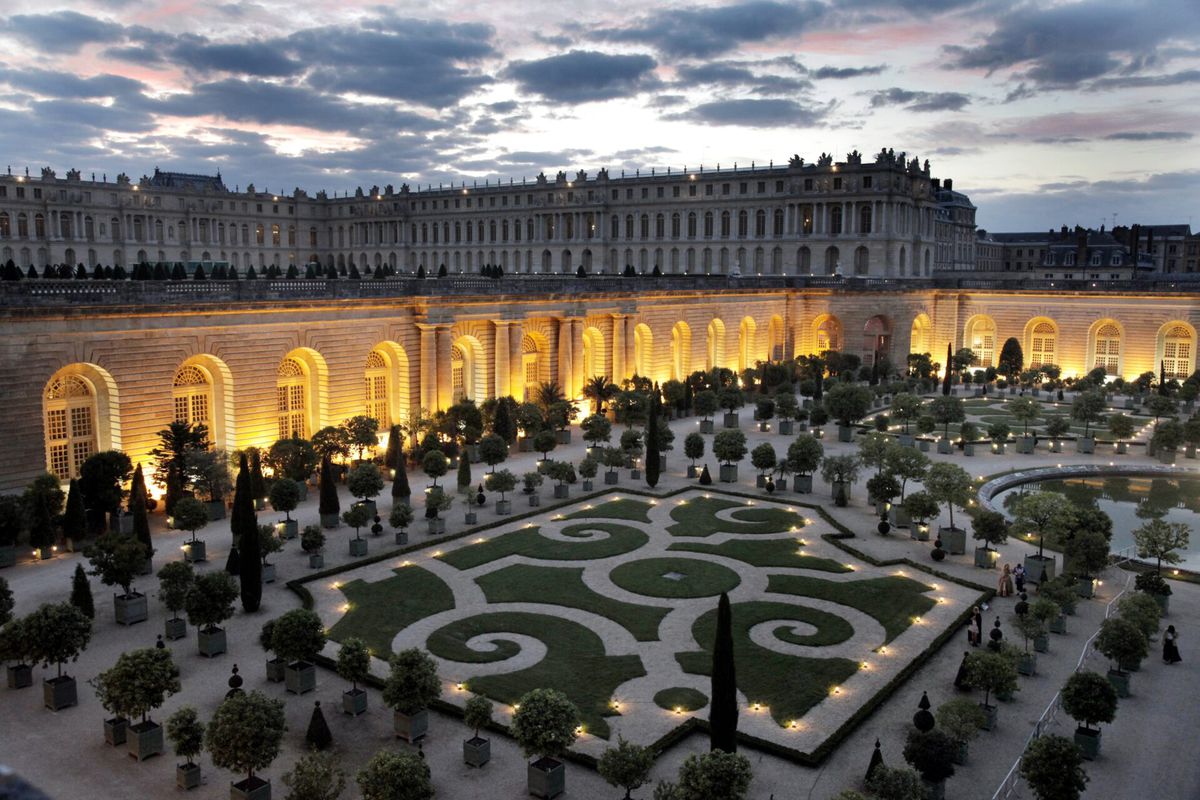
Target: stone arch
(643, 349)
(219, 396)
(681, 350)
(1175, 350)
(81, 413)
(1105, 346)
(715, 344)
(775, 338)
(827, 333)
(1041, 342)
(979, 334)
(747, 344)
(833, 263)
(535, 362)
(862, 260)
(468, 369)
(877, 338)
(804, 261)
(593, 353)
(302, 395)
(394, 404)
(920, 339)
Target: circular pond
(1129, 499)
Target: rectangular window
(81, 422)
(674, 191)
(691, 190)
(837, 183)
(808, 184)
(724, 188)
(708, 189)
(645, 192)
(867, 181)
(779, 186)
(56, 424)
(181, 409)
(60, 460)
(658, 192)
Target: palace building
(845, 262)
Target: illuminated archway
(1041, 342)
(920, 338)
(1175, 350)
(1105, 345)
(827, 333)
(747, 345)
(681, 350)
(643, 349)
(715, 344)
(980, 336)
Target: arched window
(833, 260)
(760, 224)
(675, 226)
(70, 408)
(529, 365)
(291, 399)
(659, 225)
(828, 334)
(743, 224)
(724, 224)
(1107, 353)
(259, 234)
(375, 388)
(835, 220)
(1042, 344)
(5, 225)
(804, 261)
(778, 230)
(645, 226)
(39, 226)
(1178, 349)
(708, 224)
(192, 393)
(862, 261)
(864, 219)
(629, 226)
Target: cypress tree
(503, 425)
(318, 735)
(292, 272)
(244, 524)
(421, 272)
(394, 447)
(251, 275)
(329, 503)
(199, 273)
(379, 273)
(178, 273)
(41, 523)
(233, 563)
(81, 593)
(653, 462)
(464, 473)
(723, 715)
(331, 273)
(400, 490)
(354, 273)
(74, 522)
(442, 271)
(32, 273)
(310, 272)
(946, 380)
(258, 484)
(705, 477)
(137, 507)
(233, 273)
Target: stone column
(563, 348)
(618, 348)
(630, 359)
(428, 365)
(501, 355)
(577, 376)
(516, 362)
(445, 389)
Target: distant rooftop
(186, 180)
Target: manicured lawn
(564, 586)
(788, 685)
(698, 517)
(575, 662)
(380, 610)
(680, 698)
(764, 553)
(621, 508)
(528, 542)
(892, 600)
(648, 576)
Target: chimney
(937, 183)
(949, 184)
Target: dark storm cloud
(838, 73)
(700, 32)
(582, 76)
(1149, 136)
(48, 83)
(920, 101)
(202, 55)
(62, 31)
(765, 113)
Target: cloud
(920, 101)
(1150, 136)
(738, 74)
(62, 31)
(1145, 81)
(48, 83)
(583, 76)
(700, 32)
(840, 73)
(765, 113)
(202, 55)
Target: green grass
(575, 662)
(788, 685)
(381, 609)
(564, 586)
(698, 517)
(701, 578)
(621, 508)
(529, 542)
(680, 697)
(763, 553)
(892, 600)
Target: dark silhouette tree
(81, 593)
(724, 714)
(244, 524)
(949, 366)
(653, 458)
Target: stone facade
(92, 365)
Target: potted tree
(312, 541)
(763, 459)
(559, 416)
(847, 403)
(209, 471)
(840, 472)
(477, 714)
(705, 405)
(883, 488)
(503, 482)
(905, 464)
(395, 776)
(411, 686)
(298, 636)
(627, 765)
(54, 634)
(1140, 609)
(354, 664)
(631, 446)
(16, 647)
(950, 484)
(961, 720)
(362, 434)
(906, 407)
(209, 603)
(275, 664)
(969, 433)
(597, 430)
(1165, 440)
(400, 518)
(1030, 628)
(285, 496)
(1056, 428)
(493, 450)
(998, 432)
(945, 412)
(544, 726)
(1088, 408)
(693, 448)
(994, 674)
(818, 418)
(729, 446)
(529, 421)
(1153, 584)
(365, 482)
(117, 558)
(544, 442)
(530, 483)
(1090, 699)
(920, 507)
(191, 515)
(786, 408)
(764, 412)
(588, 467)
(731, 400)
(803, 457)
(926, 425)
(245, 735)
(614, 458)
(268, 544)
(931, 753)
(138, 683)
(1061, 590)
(356, 517)
(1124, 645)
(186, 732)
(564, 473)
(174, 582)
(1085, 553)
(1052, 768)
(1043, 513)
(1024, 410)
(436, 501)
(1159, 539)
(1121, 427)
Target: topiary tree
(356, 517)
(100, 479)
(395, 776)
(295, 459)
(493, 449)
(960, 719)
(906, 464)
(705, 404)
(117, 558)
(354, 661)
(175, 580)
(1011, 359)
(544, 723)
(503, 482)
(362, 432)
(298, 636)
(848, 403)
(315, 776)
(895, 783)
(1044, 513)
(412, 683)
(209, 601)
(329, 505)
(1025, 410)
(435, 465)
(950, 484)
(1089, 698)
(81, 596)
(627, 765)
(1053, 767)
(1121, 642)
(477, 714)
(138, 683)
(723, 714)
(763, 459)
(365, 481)
(693, 447)
(729, 446)
(711, 775)
(946, 411)
(931, 754)
(991, 672)
(1088, 408)
(185, 731)
(285, 496)
(245, 734)
(56, 633)
(804, 454)
(921, 506)
(1160, 540)
(243, 522)
(1140, 609)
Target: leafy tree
(723, 713)
(931, 753)
(945, 411)
(395, 776)
(285, 496)
(950, 484)
(493, 449)
(209, 470)
(175, 443)
(705, 404)
(1160, 540)
(295, 459)
(365, 481)
(1011, 358)
(693, 447)
(1121, 642)
(1043, 512)
(560, 471)
(895, 783)
(138, 683)
(906, 464)
(401, 516)
(703, 776)
(961, 719)
(332, 442)
(246, 732)
(312, 539)
(175, 580)
(329, 503)
(544, 723)
(631, 443)
(841, 469)
(1161, 406)
(354, 661)
(848, 403)
(298, 636)
(1089, 698)
(763, 459)
(906, 407)
(81, 596)
(412, 683)
(1086, 550)
(1142, 610)
(56, 633)
(477, 714)
(921, 506)
(315, 776)
(190, 515)
(804, 454)
(729, 446)
(435, 464)
(243, 522)
(186, 733)
(101, 478)
(358, 516)
(544, 442)
(209, 600)
(503, 482)
(1088, 408)
(117, 558)
(362, 432)
(1053, 768)
(1025, 410)
(991, 672)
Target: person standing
(1170, 648)
(975, 627)
(960, 678)
(1019, 577)
(1005, 585)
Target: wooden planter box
(116, 731)
(786, 427)
(729, 473)
(730, 420)
(562, 492)
(330, 521)
(1055, 446)
(470, 518)
(358, 547)
(300, 677)
(131, 609)
(401, 537)
(802, 484)
(611, 478)
(316, 560)
(954, 540)
(410, 728)
(906, 440)
(547, 778)
(370, 506)
(991, 716)
(145, 740)
(760, 481)
(1039, 569)
(212, 643)
(187, 776)
(919, 532)
(1121, 448)
(477, 751)
(195, 552)
(354, 702)
(268, 573)
(216, 510)
(250, 789)
(1120, 682)
(945, 447)
(1059, 624)
(275, 668)
(1025, 445)
(923, 445)
(1086, 444)
(60, 693)
(985, 559)
(899, 517)
(1085, 588)
(707, 426)
(1041, 643)
(175, 629)
(20, 676)
(968, 449)
(1088, 742)
(845, 433)
(503, 508)
(287, 529)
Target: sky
(1044, 113)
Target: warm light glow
(345, 607)
(437, 554)
(864, 665)
(579, 731)
(757, 707)
(458, 686)
(678, 710)
(837, 690)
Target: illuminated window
(192, 394)
(375, 401)
(70, 408)
(1043, 345)
(291, 385)
(1177, 353)
(1108, 349)
(529, 363)
(457, 364)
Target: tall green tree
(1011, 359)
(723, 715)
(74, 522)
(81, 592)
(949, 366)
(175, 443)
(244, 524)
(400, 488)
(653, 459)
(137, 507)
(329, 503)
